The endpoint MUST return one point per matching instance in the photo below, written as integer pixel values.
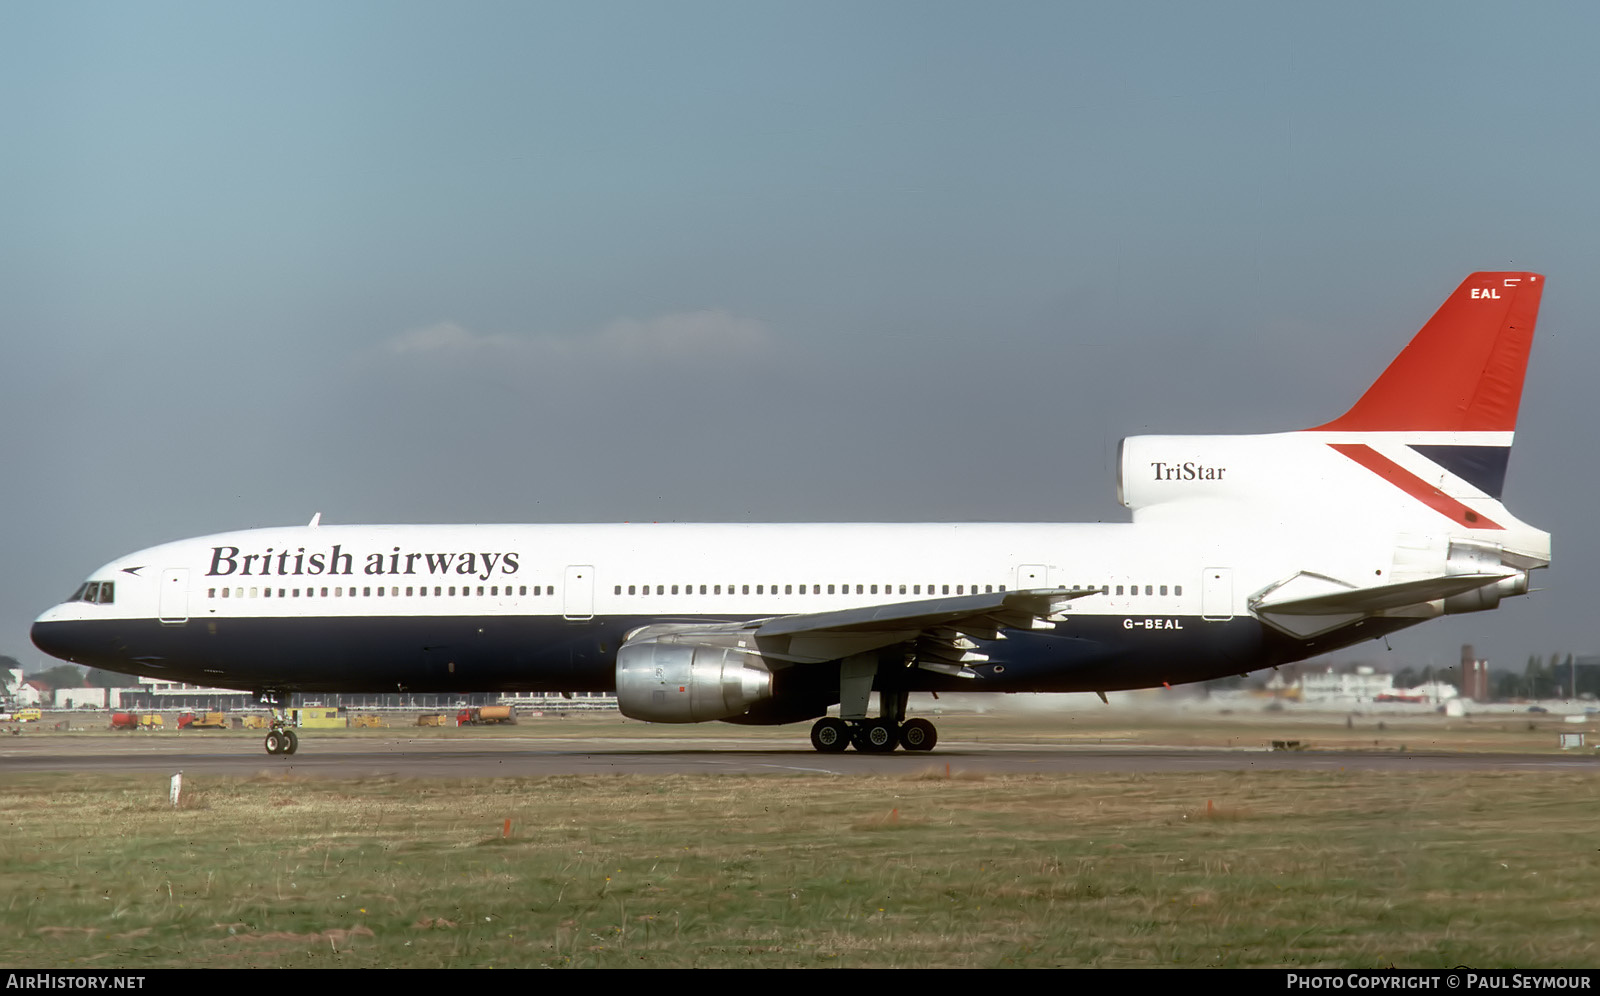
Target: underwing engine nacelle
(688, 677)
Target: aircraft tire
(918, 734)
(291, 742)
(877, 736)
(273, 742)
(829, 735)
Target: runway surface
(334, 756)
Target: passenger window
(661, 589)
(225, 592)
(674, 589)
(902, 589)
(1163, 589)
(703, 589)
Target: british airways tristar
(1244, 552)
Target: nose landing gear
(280, 738)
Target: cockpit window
(103, 592)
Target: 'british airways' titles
(227, 560)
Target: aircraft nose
(52, 635)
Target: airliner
(1243, 552)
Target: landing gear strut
(280, 738)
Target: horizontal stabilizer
(1365, 601)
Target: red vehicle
(485, 716)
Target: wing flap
(939, 622)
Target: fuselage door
(174, 596)
(577, 594)
(1032, 576)
(1216, 593)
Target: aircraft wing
(942, 628)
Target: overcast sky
(485, 262)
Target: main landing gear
(280, 738)
(872, 736)
(882, 735)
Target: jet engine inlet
(687, 682)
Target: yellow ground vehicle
(432, 719)
(369, 722)
(203, 721)
(317, 718)
(29, 715)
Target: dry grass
(1237, 869)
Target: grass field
(1344, 869)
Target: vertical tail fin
(1463, 372)
(1456, 388)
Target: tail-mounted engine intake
(688, 677)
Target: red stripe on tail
(1414, 486)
